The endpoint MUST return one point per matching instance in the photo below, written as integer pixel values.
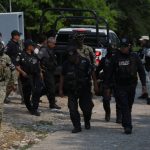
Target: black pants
(126, 95)
(49, 81)
(31, 88)
(106, 102)
(86, 105)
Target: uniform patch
(124, 63)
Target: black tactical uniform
(48, 65)
(124, 67)
(77, 77)
(12, 50)
(106, 92)
(31, 85)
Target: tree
(133, 17)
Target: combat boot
(76, 130)
(35, 113)
(143, 96)
(127, 130)
(6, 100)
(148, 101)
(107, 117)
(87, 125)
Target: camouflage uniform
(5, 75)
(87, 52)
(12, 84)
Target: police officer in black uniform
(12, 49)
(29, 68)
(124, 67)
(76, 75)
(102, 71)
(13, 46)
(47, 59)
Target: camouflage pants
(2, 96)
(12, 83)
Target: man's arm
(141, 72)
(24, 74)
(96, 89)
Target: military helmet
(78, 36)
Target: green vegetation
(129, 18)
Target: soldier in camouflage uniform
(84, 50)
(5, 75)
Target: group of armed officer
(36, 66)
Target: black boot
(127, 130)
(76, 130)
(6, 100)
(35, 113)
(148, 101)
(107, 116)
(143, 96)
(107, 111)
(87, 125)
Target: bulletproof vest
(11, 52)
(29, 63)
(4, 68)
(126, 68)
(78, 76)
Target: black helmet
(124, 42)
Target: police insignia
(34, 61)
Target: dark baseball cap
(124, 42)
(28, 43)
(15, 32)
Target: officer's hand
(61, 94)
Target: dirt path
(52, 130)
